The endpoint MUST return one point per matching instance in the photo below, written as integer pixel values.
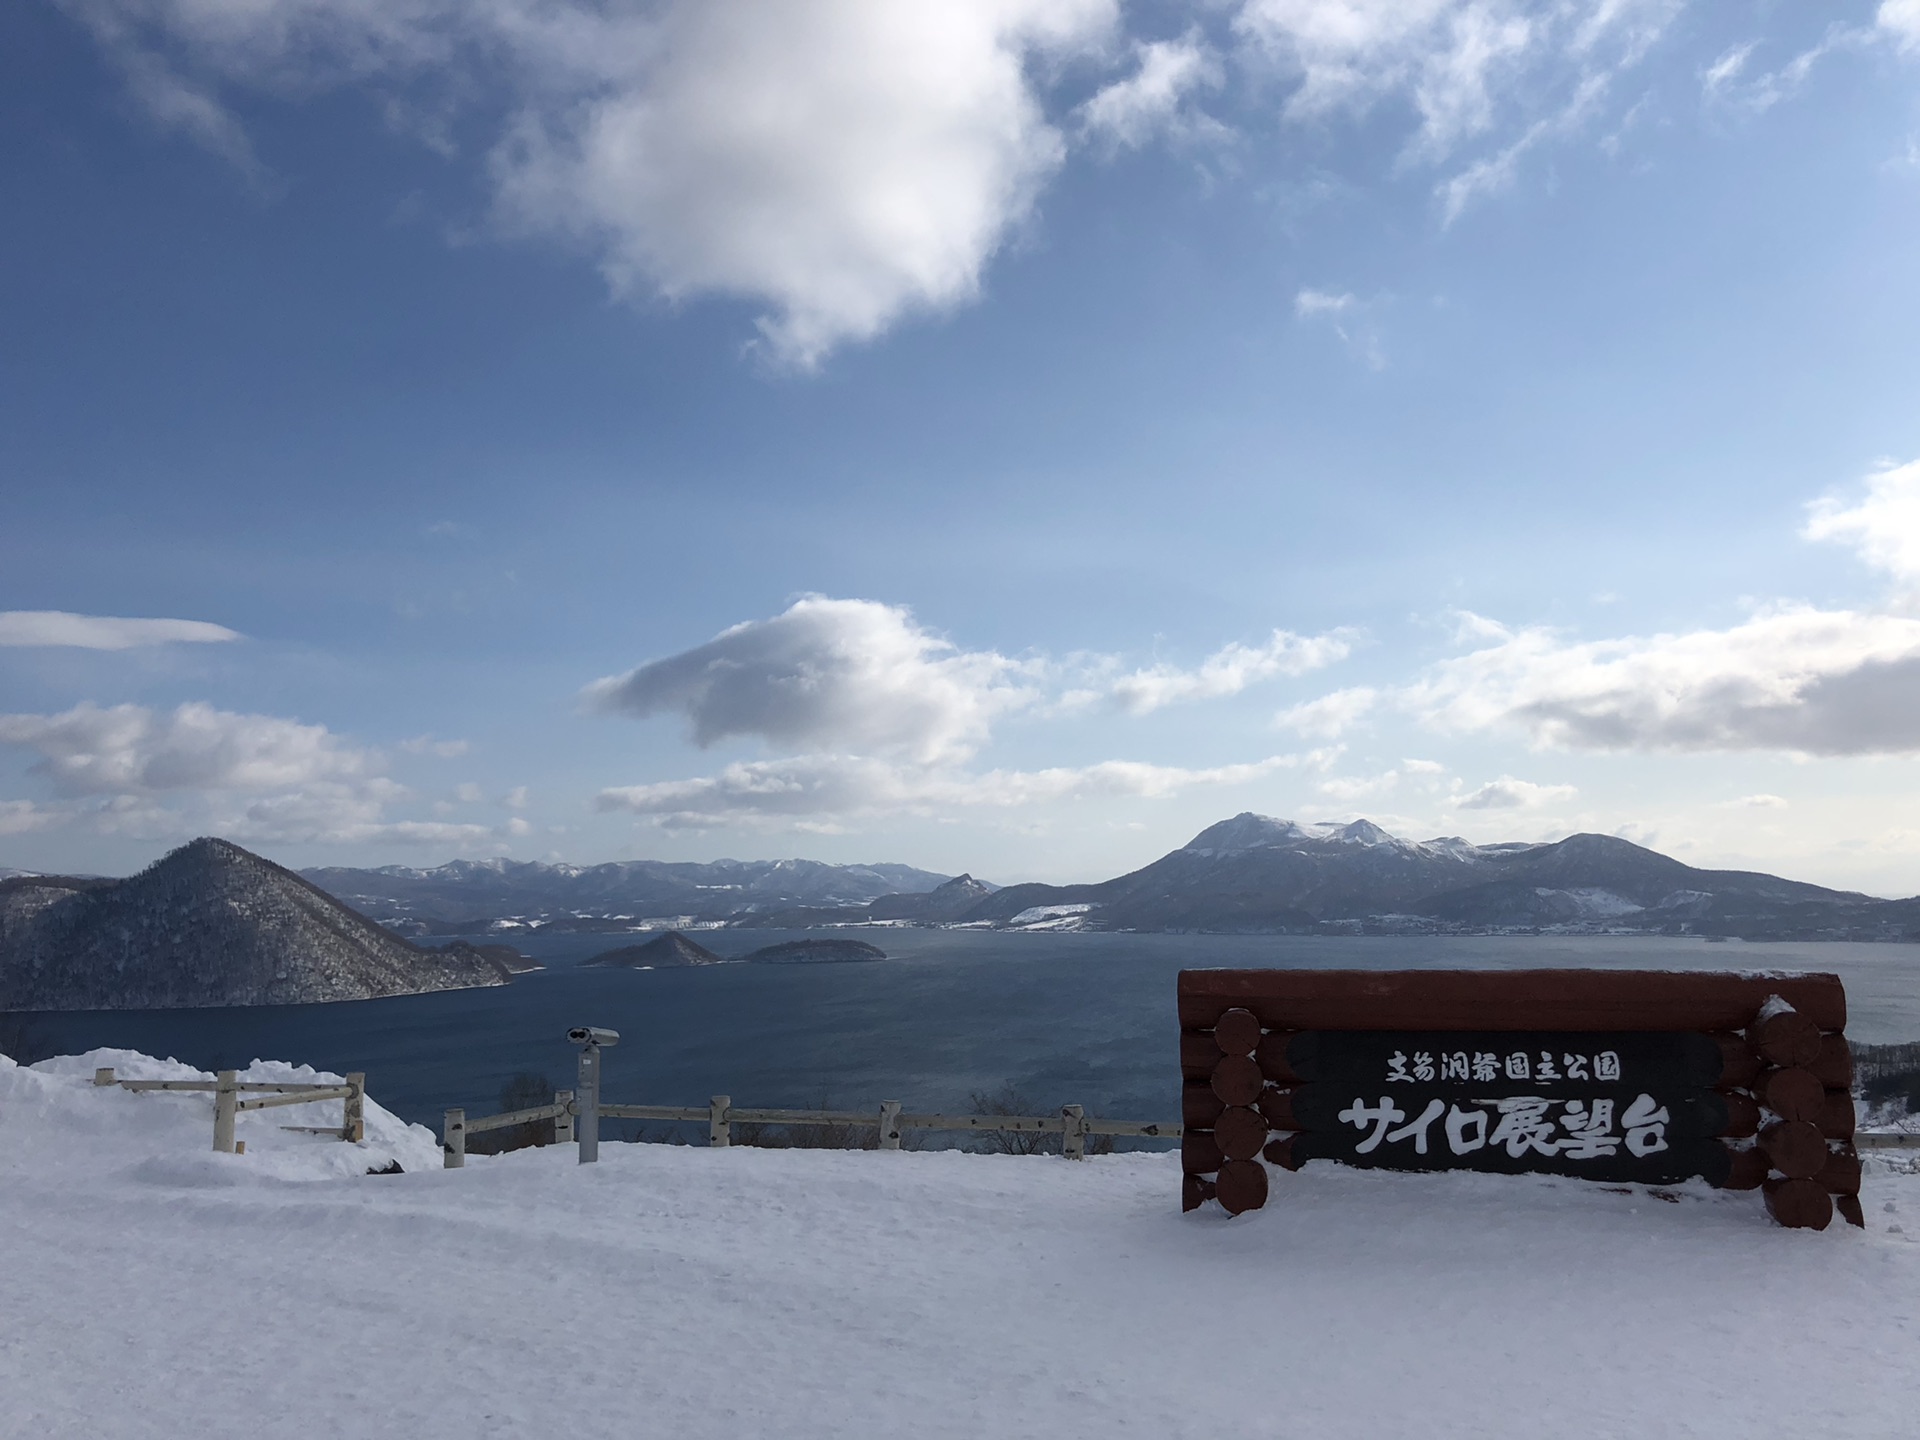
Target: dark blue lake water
(1064, 1018)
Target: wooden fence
(227, 1088)
(1073, 1125)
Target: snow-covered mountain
(1257, 873)
(468, 894)
(208, 924)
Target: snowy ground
(151, 1288)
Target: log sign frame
(1647, 1076)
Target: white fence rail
(227, 1088)
(720, 1115)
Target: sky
(991, 435)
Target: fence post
(889, 1124)
(719, 1129)
(226, 1093)
(353, 1128)
(453, 1139)
(563, 1122)
(1073, 1140)
(103, 1076)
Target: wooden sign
(1655, 1077)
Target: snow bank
(703, 1293)
(54, 1120)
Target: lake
(1063, 1018)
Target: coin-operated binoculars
(587, 1091)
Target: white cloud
(1231, 669)
(1883, 526)
(104, 632)
(516, 798)
(17, 817)
(829, 675)
(1724, 83)
(1423, 767)
(1469, 70)
(1453, 61)
(1761, 802)
(845, 785)
(1497, 172)
(1901, 21)
(1148, 103)
(468, 793)
(1507, 793)
(131, 771)
(1348, 788)
(1792, 679)
(843, 162)
(1331, 715)
(131, 750)
(1322, 302)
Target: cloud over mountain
(841, 786)
(829, 675)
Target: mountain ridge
(208, 924)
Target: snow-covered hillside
(156, 1289)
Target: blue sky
(994, 436)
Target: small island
(815, 952)
(669, 951)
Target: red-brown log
(1835, 1063)
(1792, 1094)
(1280, 1152)
(1799, 1204)
(1796, 1148)
(1242, 1185)
(1849, 1209)
(1198, 1054)
(1739, 1065)
(1841, 1174)
(1789, 1037)
(1277, 1106)
(1199, 1106)
(1237, 1080)
(1749, 1171)
(1198, 1154)
(1743, 1114)
(1503, 999)
(1272, 1056)
(1837, 1116)
(1240, 1133)
(1237, 1032)
(1195, 1192)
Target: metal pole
(889, 1124)
(453, 1139)
(719, 1126)
(587, 1091)
(563, 1122)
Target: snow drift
(157, 1289)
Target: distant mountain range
(212, 924)
(1257, 874)
(209, 924)
(468, 897)
(1250, 874)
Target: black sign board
(1628, 1106)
